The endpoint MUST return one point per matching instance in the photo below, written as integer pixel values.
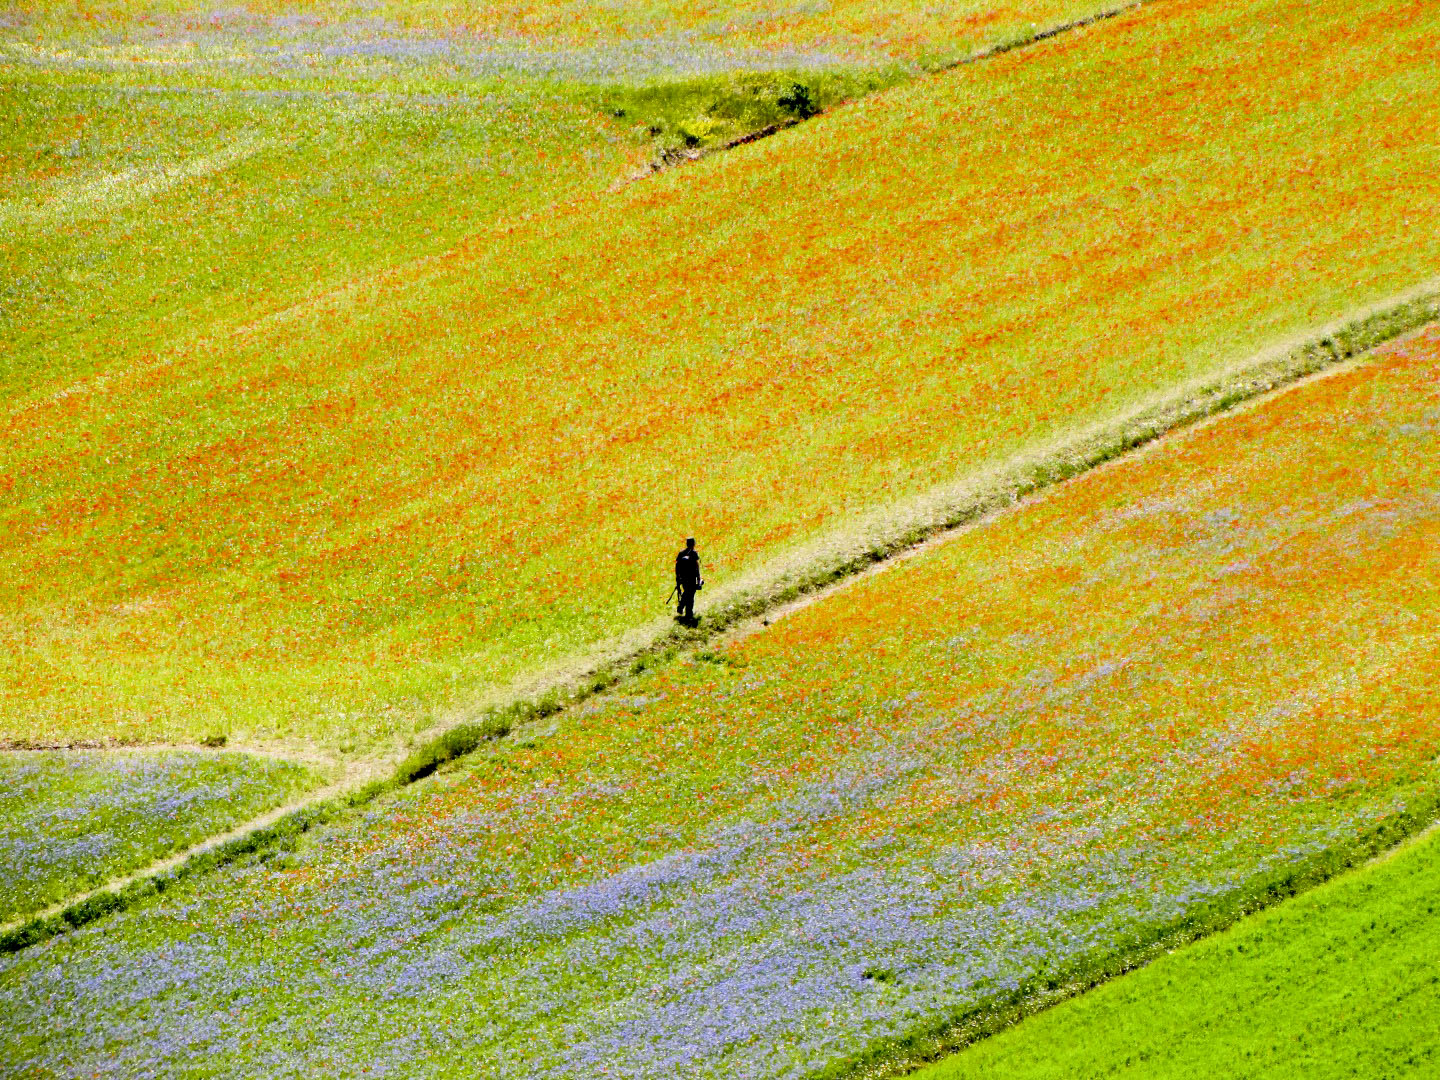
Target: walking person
(687, 580)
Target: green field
(1341, 982)
(280, 189)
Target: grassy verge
(689, 117)
(71, 821)
(1340, 982)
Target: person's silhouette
(687, 580)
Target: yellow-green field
(392, 498)
(363, 365)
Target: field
(1073, 550)
(1340, 982)
(400, 498)
(283, 188)
(1118, 711)
(70, 821)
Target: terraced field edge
(896, 1057)
(1033, 37)
(670, 154)
(822, 566)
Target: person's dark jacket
(687, 569)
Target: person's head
(689, 541)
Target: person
(687, 579)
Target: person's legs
(687, 603)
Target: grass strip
(895, 1057)
(260, 843)
(454, 743)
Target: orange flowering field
(396, 497)
(1004, 758)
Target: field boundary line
(895, 1056)
(775, 587)
(1021, 41)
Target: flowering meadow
(71, 820)
(391, 498)
(1005, 757)
(138, 217)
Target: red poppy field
(404, 497)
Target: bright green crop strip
(70, 821)
(406, 495)
(1341, 982)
